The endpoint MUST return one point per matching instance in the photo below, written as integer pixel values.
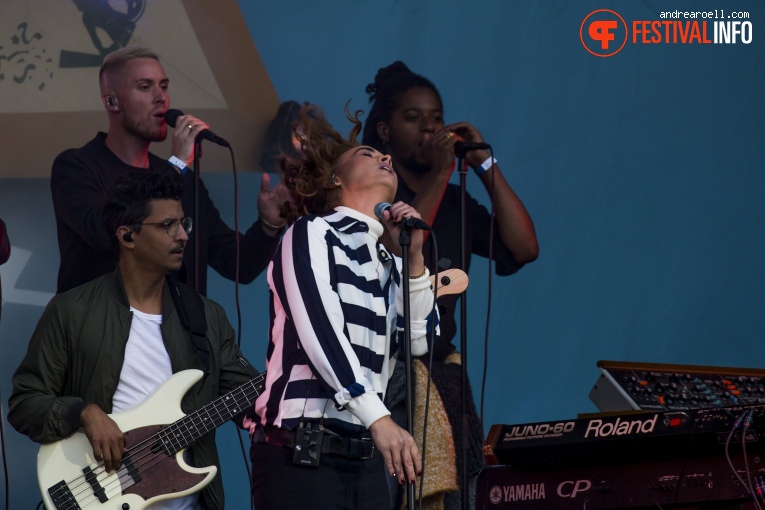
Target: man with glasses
(105, 346)
(172, 225)
(135, 96)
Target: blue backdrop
(643, 173)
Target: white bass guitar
(153, 467)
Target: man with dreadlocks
(407, 122)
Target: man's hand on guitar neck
(104, 435)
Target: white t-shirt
(146, 366)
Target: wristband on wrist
(485, 166)
(179, 164)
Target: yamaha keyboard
(695, 483)
(626, 436)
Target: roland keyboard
(632, 435)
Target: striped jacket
(334, 303)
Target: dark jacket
(76, 354)
(79, 181)
(5, 244)
(5, 253)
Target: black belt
(348, 447)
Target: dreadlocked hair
(312, 177)
(384, 93)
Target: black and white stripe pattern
(333, 338)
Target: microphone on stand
(406, 222)
(461, 147)
(171, 117)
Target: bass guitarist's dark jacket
(76, 354)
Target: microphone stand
(462, 169)
(404, 240)
(197, 226)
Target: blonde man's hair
(116, 60)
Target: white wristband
(178, 163)
(480, 170)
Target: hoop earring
(332, 182)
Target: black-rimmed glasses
(171, 226)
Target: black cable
(238, 252)
(747, 423)
(430, 367)
(736, 425)
(489, 290)
(239, 306)
(5, 455)
(244, 455)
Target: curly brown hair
(312, 177)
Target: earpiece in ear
(127, 237)
(111, 101)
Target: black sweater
(79, 181)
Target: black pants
(336, 484)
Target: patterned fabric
(335, 324)
(440, 458)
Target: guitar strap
(191, 311)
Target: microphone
(406, 222)
(462, 147)
(171, 117)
